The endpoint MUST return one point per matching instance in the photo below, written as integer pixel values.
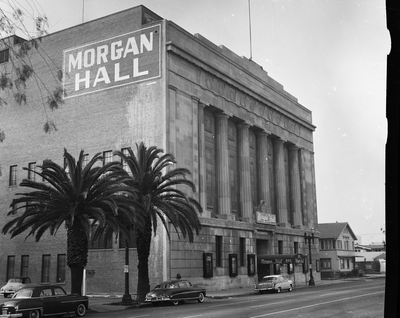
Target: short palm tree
(161, 199)
(79, 197)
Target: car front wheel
(34, 314)
(278, 290)
(175, 302)
(201, 298)
(290, 288)
(80, 310)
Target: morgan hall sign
(118, 61)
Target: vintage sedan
(275, 283)
(34, 301)
(175, 292)
(13, 285)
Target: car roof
(40, 286)
(272, 276)
(173, 281)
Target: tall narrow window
(218, 251)
(31, 174)
(13, 176)
(296, 247)
(125, 166)
(46, 268)
(107, 157)
(242, 252)
(24, 265)
(10, 266)
(280, 247)
(61, 262)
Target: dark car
(175, 291)
(13, 285)
(34, 301)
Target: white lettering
(144, 42)
(86, 79)
(117, 76)
(74, 63)
(102, 52)
(104, 76)
(116, 54)
(131, 46)
(88, 58)
(136, 72)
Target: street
(352, 299)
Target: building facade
(134, 76)
(336, 249)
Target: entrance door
(263, 270)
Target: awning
(281, 258)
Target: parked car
(175, 291)
(275, 283)
(34, 301)
(13, 285)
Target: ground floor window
(46, 268)
(326, 263)
(61, 263)
(10, 266)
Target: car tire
(5, 295)
(290, 288)
(175, 302)
(34, 314)
(278, 290)
(80, 310)
(201, 298)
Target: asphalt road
(353, 299)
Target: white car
(275, 283)
(13, 285)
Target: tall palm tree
(79, 197)
(161, 199)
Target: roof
(334, 230)
(369, 256)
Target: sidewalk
(111, 303)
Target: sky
(330, 54)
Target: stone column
(263, 170)
(280, 182)
(202, 161)
(295, 189)
(222, 165)
(244, 173)
(195, 146)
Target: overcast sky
(329, 54)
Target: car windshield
(15, 280)
(269, 279)
(23, 293)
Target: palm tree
(78, 196)
(161, 199)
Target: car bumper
(264, 288)
(156, 299)
(10, 315)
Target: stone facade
(248, 143)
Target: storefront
(283, 264)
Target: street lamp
(308, 238)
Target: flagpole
(251, 51)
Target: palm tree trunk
(77, 254)
(143, 242)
